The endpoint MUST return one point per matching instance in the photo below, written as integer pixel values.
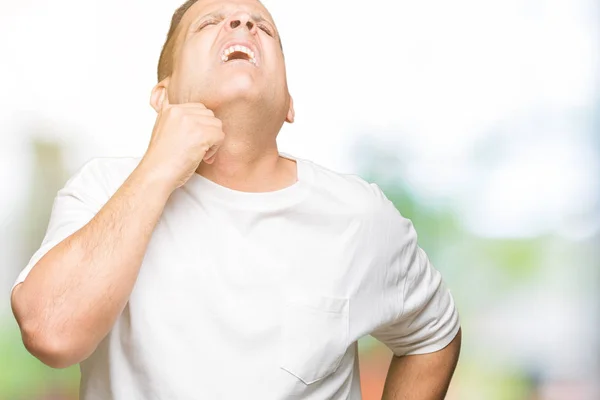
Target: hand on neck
(248, 159)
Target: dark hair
(165, 62)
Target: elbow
(56, 349)
(50, 350)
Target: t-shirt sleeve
(73, 207)
(420, 314)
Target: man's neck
(248, 160)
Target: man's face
(228, 51)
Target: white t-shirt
(259, 295)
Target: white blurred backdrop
(488, 108)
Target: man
(214, 267)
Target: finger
(211, 152)
(199, 106)
(193, 109)
(190, 106)
(209, 156)
(210, 160)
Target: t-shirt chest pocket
(314, 336)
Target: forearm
(73, 295)
(422, 377)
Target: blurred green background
(480, 120)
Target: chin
(238, 89)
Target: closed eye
(207, 23)
(265, 29)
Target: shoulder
(349, 190)
(102, 176)
(351, 195)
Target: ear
(159, 92)
(291, 114)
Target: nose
(241, 20)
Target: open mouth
(238, 52)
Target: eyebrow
(259, 18)
(215, 14)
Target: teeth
(244, 49)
